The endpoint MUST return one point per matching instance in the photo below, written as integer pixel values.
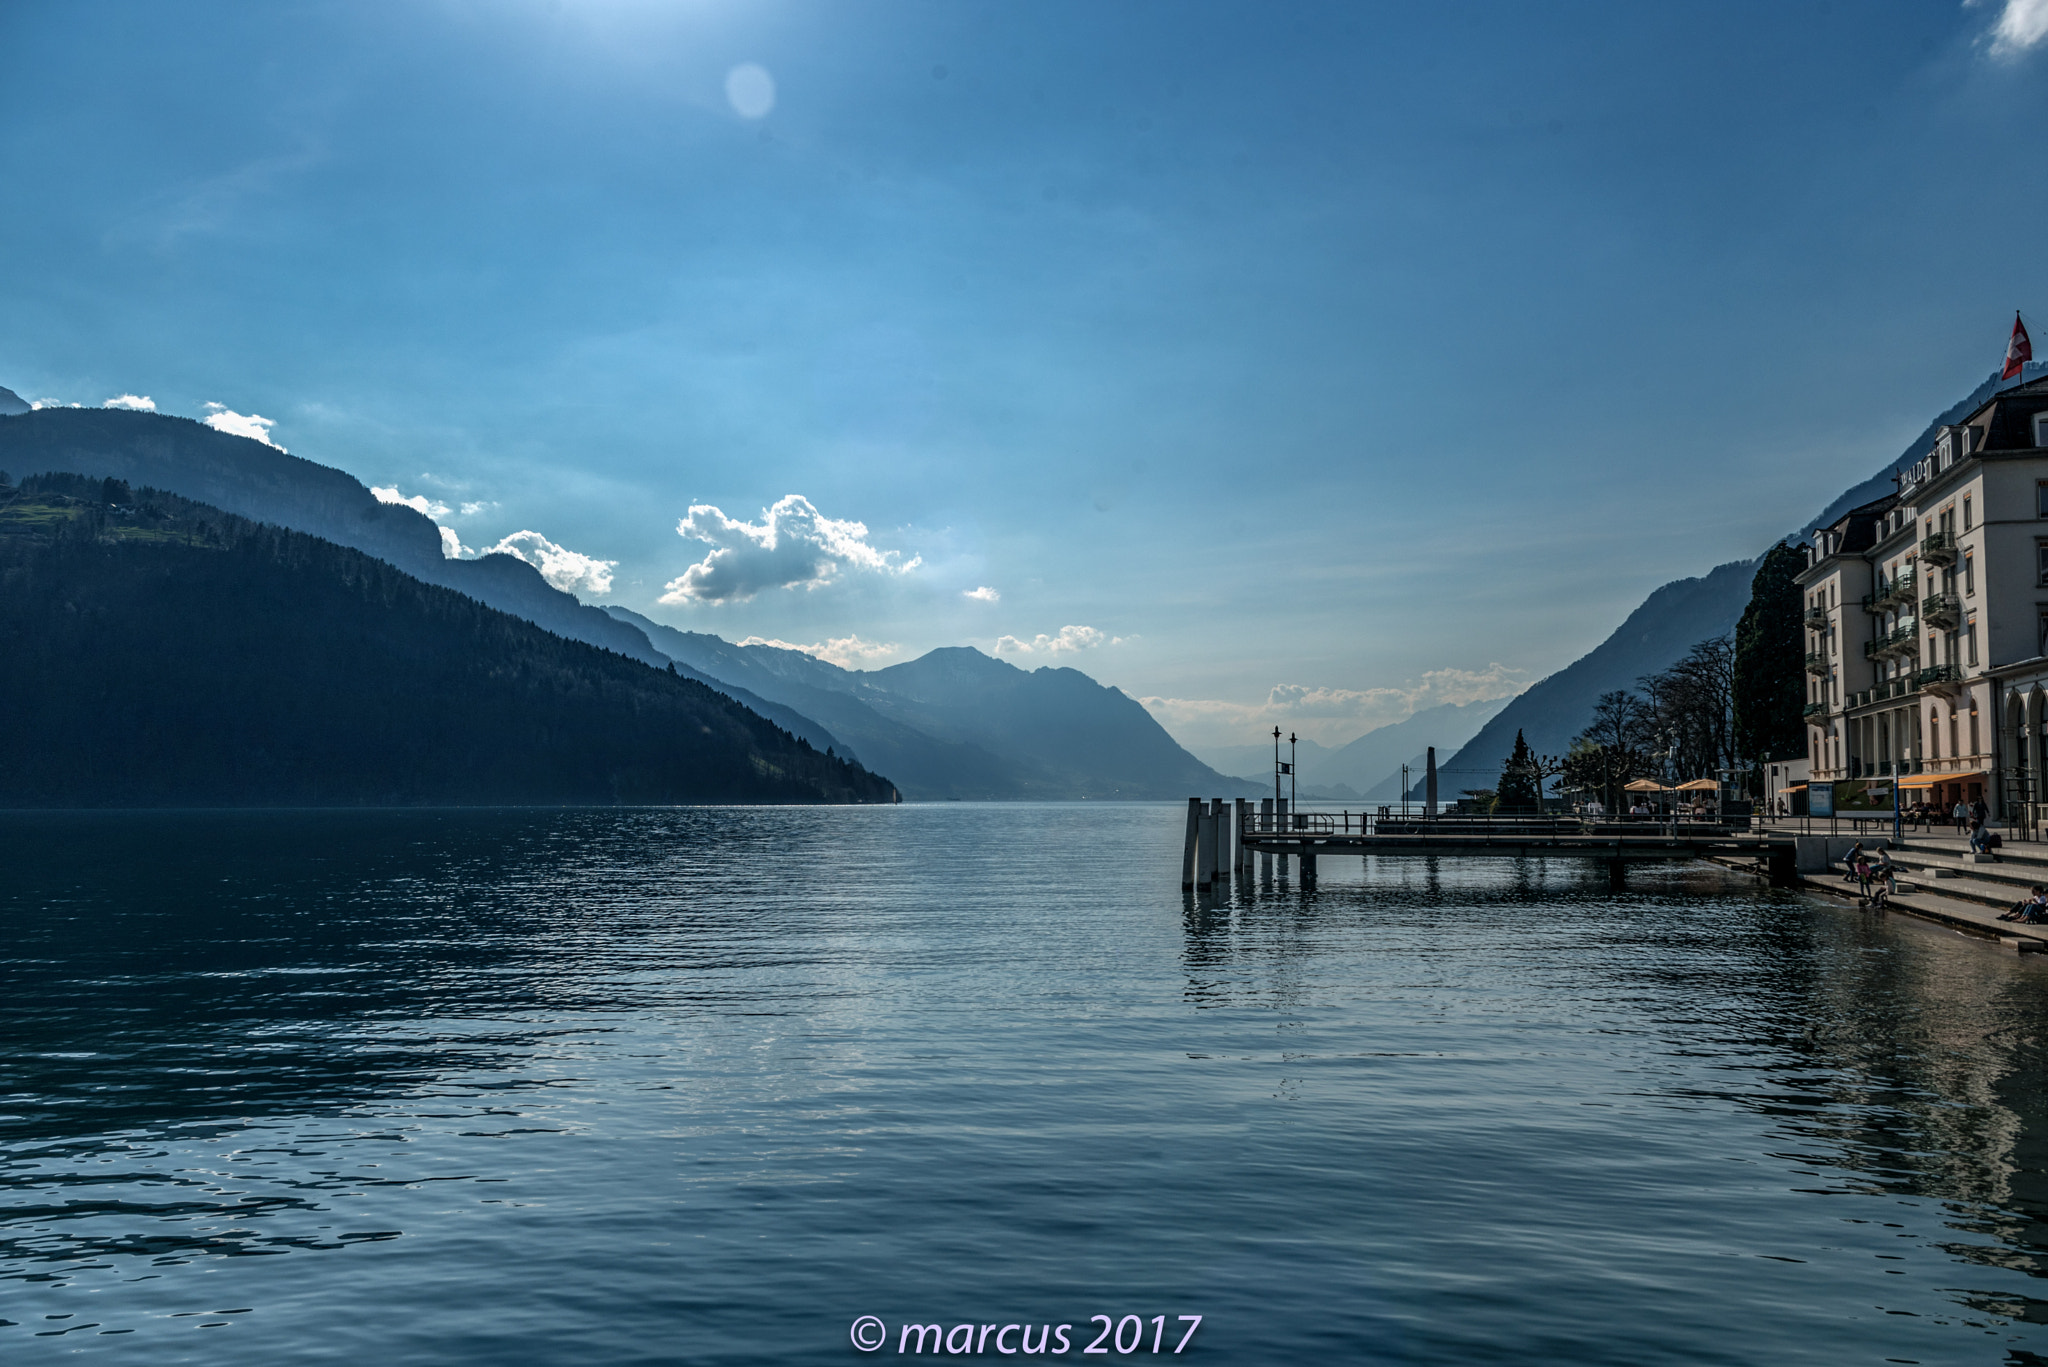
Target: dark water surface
(706, 1086)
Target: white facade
(1927, 618)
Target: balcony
(1942, 610)
(1815, 709)
(1816, 663)
(1938, 548)
(1817, 618)
(1940, 678)
(1900, 589)
(1904, 641)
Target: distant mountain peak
(12, 403)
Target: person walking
(1961, 815)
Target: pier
(1227, 837)
(1940, 878)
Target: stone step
(1972, 917)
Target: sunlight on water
(707, 1086)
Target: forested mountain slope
(158, 652)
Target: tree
(1769, 682)
(1690, 710)
(1518, 789)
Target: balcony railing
(1816, 663)
(1899, 589)
(1938, 676)
(1815, 709)
(1938, 548)
(1904, 641)
(1817, 619)
(1941, 609)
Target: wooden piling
(1205, 846)
(1189, 850)
(1239, 808)
(1266, 824)
(1223, 841)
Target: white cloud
(1070, 639)
(984, 594)
(254, 426)
(141, 403)
(472, 509)
(844, 651)
(54, 403)
(1335, 712)
(793, 546)
(419, 503)
(452, 547)
(2022, 24)
(565, 569)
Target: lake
(708, 1086)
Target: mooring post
(1222, 848)
(1205, 845)
(1239, 807)
(1308, 865)
(1429, 785)
(1188, 850)
(1617, 876)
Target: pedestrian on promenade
(1863, 875)
(1961, 815)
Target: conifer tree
(1516, 791)
(1770, 685)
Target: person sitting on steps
(2032, 911)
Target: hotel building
(1926, 617)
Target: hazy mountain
(163, 653)
(1067, 734)
(1358, 768)
(11, 403)
(958, 724)
(1553, 711)
(926, 768)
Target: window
(1975, 747)
(2041, 553)
(2041, 429)
(1955, 747)
(1966, 514)
(2041, 495)
(2041, 640)
(1971, 636)
(1970, 573)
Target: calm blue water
(706, 1086)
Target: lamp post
(1276, 766)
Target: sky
(1299, 365)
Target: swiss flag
(2018, 351)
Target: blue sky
(1301, 363)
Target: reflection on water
(663, 1086)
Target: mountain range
(1668, 623)
(161, 652)
(954, 724)
(1368, 769)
